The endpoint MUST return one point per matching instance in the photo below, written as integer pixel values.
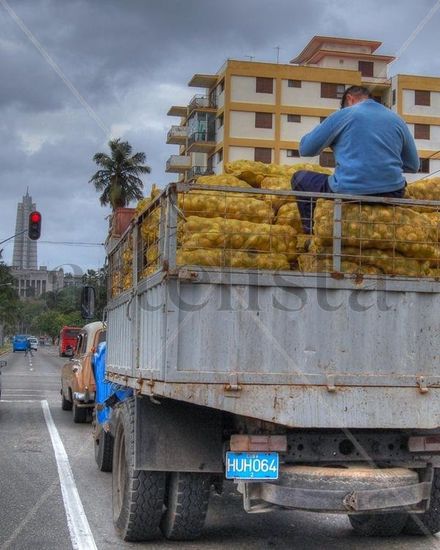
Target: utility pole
(277, 48)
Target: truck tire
(79, 414)
(66, 405)
(379, 525)
(104, 451)
(427, 523)
(186, 502)
(137, 495)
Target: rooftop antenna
(277, 48)
(250, 57)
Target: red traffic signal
(34, 225)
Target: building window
(327, 159)
(293, 118)
(394, 97)
(264, 85)
(366, 68)
(424, 166)
(422, 131)
(322, 118)
(220, 155)
(292, 153)
(332, 91)
(294, 83)
(263, 154)
(263, 120)
(221, 86)
(421, 97)
(220, 121)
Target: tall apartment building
(259, 111)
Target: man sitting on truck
(372, 148)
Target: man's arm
(323, 135)
(410, 156)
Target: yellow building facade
(259, 111)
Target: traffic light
(34, 225)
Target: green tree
(49, 322)
(29, 310)
(9, 302)
(118, 178)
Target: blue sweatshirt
(372, 147)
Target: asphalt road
(32, 510)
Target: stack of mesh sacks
(236, 230)
(242, 230)
(122, 274)
(150, 233)
(230, 229)
(429, 190)
(379, 239)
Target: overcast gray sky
(131, 60)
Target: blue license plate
(252, 465)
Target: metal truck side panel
(120, 356)
(302, 336)
(151, 332)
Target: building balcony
(177, 164)
(197, 171)
(177, 110)
(201, 142)
(177, 135)
(201, 102)
(380, 82)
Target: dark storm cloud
(130, 60)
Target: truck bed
(301, 350)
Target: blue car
(19, 342)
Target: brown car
(77, 380)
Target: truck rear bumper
(338, 495)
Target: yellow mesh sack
(313, 263)
(238, 235)
(254, 172)
(424, 190)
(232, 258)
(222, 180)
(387, 261)
(376, 226)
(213, 204)
(143, 203)
(288, 214)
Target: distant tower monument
(25, 250)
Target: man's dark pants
(314, 182)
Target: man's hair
(359, 91)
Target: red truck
(68, 340)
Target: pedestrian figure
(28, 348)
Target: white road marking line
(10, 375)
(22, 390)
(20, 400)
(79, 528)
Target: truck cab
(77, 381)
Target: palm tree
(118, 178)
